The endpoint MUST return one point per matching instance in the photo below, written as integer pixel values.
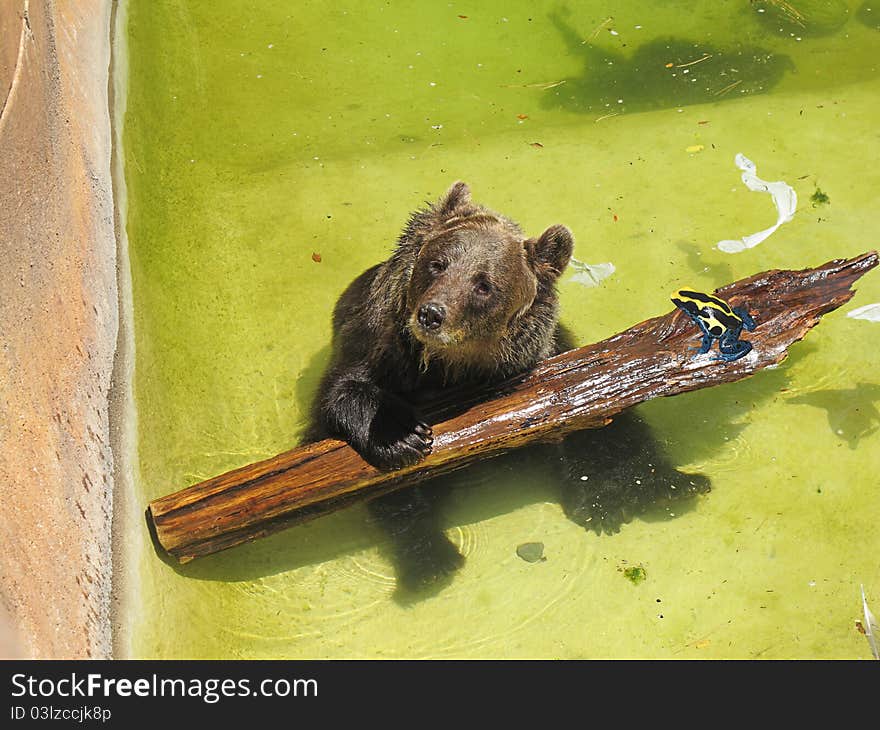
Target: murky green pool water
(258, 135)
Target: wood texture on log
(578, 389)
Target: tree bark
(578, 389)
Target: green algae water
(272, 151)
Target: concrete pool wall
(58, 329)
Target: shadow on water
(663, 73)
(869, 14)
(800, 18)
(852, 412)
(693, 258)
(309, 379)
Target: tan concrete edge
(58, 328)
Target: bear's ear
(456, 197)
(549, 254)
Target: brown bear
(467, 298)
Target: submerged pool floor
(272, 156)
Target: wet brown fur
(381, 354)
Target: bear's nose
(431, 315)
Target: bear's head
(476, 279)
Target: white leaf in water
(871, 627)
(590, 274)
(784, 197)
(871, 312)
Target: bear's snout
(431, 315)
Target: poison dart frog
(717, 321)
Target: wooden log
(579, 389)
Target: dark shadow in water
(799, 18)
(869, 14)
(661, 74)
(697, 264)
(852, 412)
(309, 379)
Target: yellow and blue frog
(717, 320)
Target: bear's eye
(437, 267)
(482, 288)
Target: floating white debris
(871, 627)
(871, 312)
(784, 197)
(590, 274)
